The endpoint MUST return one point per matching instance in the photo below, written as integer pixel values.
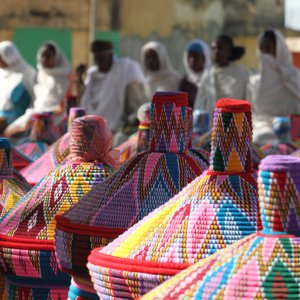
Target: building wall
(173, 22)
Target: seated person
(17, 79)
(50, 89)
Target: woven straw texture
(27, 230)
(264, 265)
(12, 187)
(140, 185)
(214, 211)
(54, 157)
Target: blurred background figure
(160, 74)
(17, 78)
(282, 143)
(201, 129)
(225, 78)
(275, 91)
(50, 89)
(114, 90)
(196, 58)
(78, 85)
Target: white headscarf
(52, 83)
(195, 77)
(275, 91)
(50, 89)
(283, 63)
(166, 78)
(16, 64)
(106, 93)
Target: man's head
(224, 51)
(152, 60)
(267, 43)
(196, 58)
(48, 56)
(103, 54)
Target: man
(114, 88)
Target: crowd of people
(116, 87)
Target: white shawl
(105, 93)
(226, 82)
(50, 89)
(17, 71)
(52, 83)
(275, 91)
(166, 78)
(193, 76)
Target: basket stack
(211, 213)
(27, 257)
(264, 265)
(149, 179)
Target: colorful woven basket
(40, 137)
(55, 156)
(278, 148)
(27, 255)
(211, 213)
(264, 265)
(74, 113)
(139, 141)
(140, 185)
(19, 159)
(12, 187)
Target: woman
(50, 89)
(225, 78)
(161, 76)
(196, 58)
(17, 78)
(275, 91)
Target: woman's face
(152, 60)
(267, 46)
(103, 59)
(221, 53)
(196, 61)
(3, 64)
(48, 58)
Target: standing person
(275, 91)
(17, 78)
(160, 74)
(50, 89)
(114, 89)
(196, 58)
(225, 78)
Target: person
(225, 78)
(114, 89)
(275, 90)
(160, 74)
(17, 78)
(196, 58)
(50, 89)
(283, 143)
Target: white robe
(18, 71)
(50, 89)
(195, 77)
(166, 78)
(274, 92)
(105, 93)
(226, 82)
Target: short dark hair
(98, 46)
(49, 47)
(270, 35)
(236, 51)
